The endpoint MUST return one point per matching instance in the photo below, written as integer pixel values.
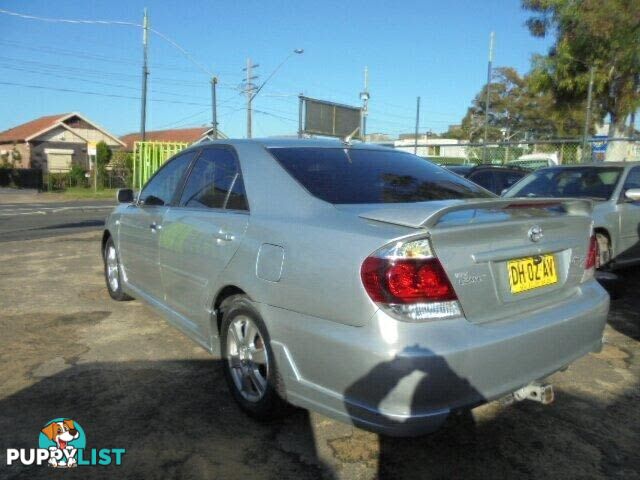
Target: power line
(166, 38)
(99, 94)
(96, 82)
(276, 116)
(88, 71)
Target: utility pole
(487, 95)
(364, 96)
(145, 74)
(587, 117)
(249, 89)
(300, 107)
(214, 112)
(415, 145)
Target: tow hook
(538, 392)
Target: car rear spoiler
(426, 216)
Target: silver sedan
(615, 190)
(364, 283)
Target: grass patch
(77, 193)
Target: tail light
(591, 259)
(406, 280)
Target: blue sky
(437, 50)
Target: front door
(629, 245)
(201, 234)
(141, 225)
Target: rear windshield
(350, 176)
(583, 182)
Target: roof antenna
(347, 139)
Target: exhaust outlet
(538, 392)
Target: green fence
(148, 157)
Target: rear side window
(633, 179)
(484, 179)
(577, 182)
(350, 176)
(507, 179)
(215, 182)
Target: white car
(536, 160)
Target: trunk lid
(476, 240)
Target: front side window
(162, 186)
(351, 176)
(578, 182)
(633, 179)
(215, 182)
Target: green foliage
(77, 175)
(122, 166)
(516, 111)
(589, 33)
(103, 155)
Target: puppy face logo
(62, 437)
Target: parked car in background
(533, 161)
(358, 281)
(615, 189)
(495, 178)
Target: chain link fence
(530, 153)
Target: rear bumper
(404, 379)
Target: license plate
(532, 272)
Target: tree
(103, 155)
(122, 166)
(515, 111)
(590, 33)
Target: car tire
(113, 272)
(248, 361)
(604, 251)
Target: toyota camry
(361, 282)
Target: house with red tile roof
(187, 135)
(55, 142)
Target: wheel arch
(224, 293)
(105, 236)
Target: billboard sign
(319, 117)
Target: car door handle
(223, 236)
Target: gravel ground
(131, 381)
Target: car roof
(596, 165)
(289, 142)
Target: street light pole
(250, 95)
(249, 87)
(487, 95)
(214, 107)
(415, 143)
(364, 96)
(145, 74)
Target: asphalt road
(27, 221)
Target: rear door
(141, 224)
(201, 234)
(629, 245)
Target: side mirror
(504, 190)
(632, 194)
(125, 195)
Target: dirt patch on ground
(67, 349)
